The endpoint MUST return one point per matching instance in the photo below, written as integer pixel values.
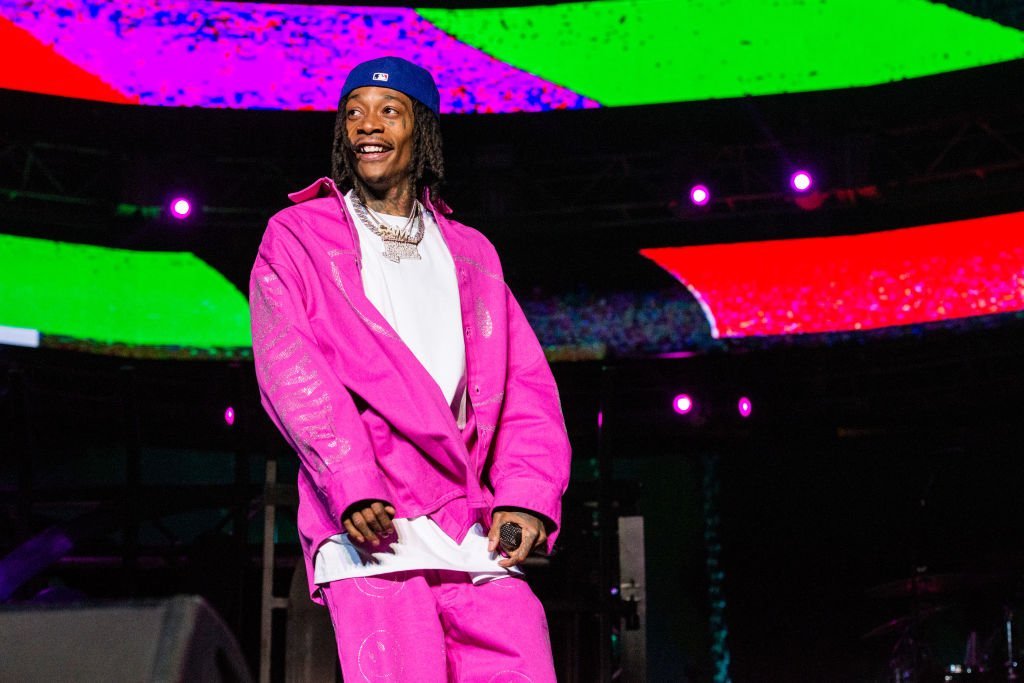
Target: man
(400, 368)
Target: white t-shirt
(420, 299)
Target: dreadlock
(427, 159)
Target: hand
(369, 520)
(534, 534)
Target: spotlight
(229, 416)
(801, 181)
(745, 406)
(682, 404)
(181, 208)
(700, 195)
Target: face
(379, 122)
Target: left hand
(534, 534)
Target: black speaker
(167, 641)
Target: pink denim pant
(432, 626)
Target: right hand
(369, 520)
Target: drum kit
(986, 648)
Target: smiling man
(399, 367)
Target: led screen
(557, 56)
(53, 293)
(858, 282)
(173, 304)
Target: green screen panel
(119, 297)
(628, 52)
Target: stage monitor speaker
(180, 639)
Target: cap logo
(380, 76)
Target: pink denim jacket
(365, 417)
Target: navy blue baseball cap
(398, 74)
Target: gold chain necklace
(399, 243)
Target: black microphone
(510, 536)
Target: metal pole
(240, 520)
(604, 529)
(267, 602)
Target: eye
(352, 113)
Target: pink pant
(435, 626)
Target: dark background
(868, 457)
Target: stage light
(801, 181)
(181, 208)
(682, 404)
(745, 406)
(700, 195)
(229, 416)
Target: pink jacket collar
(325, 187)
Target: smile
(371, 149)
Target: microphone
(510, 536)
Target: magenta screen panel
(246, 55)
(565, 55)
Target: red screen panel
(41, 69)
(855, 282)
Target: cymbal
(934, 584)
(899, 624)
